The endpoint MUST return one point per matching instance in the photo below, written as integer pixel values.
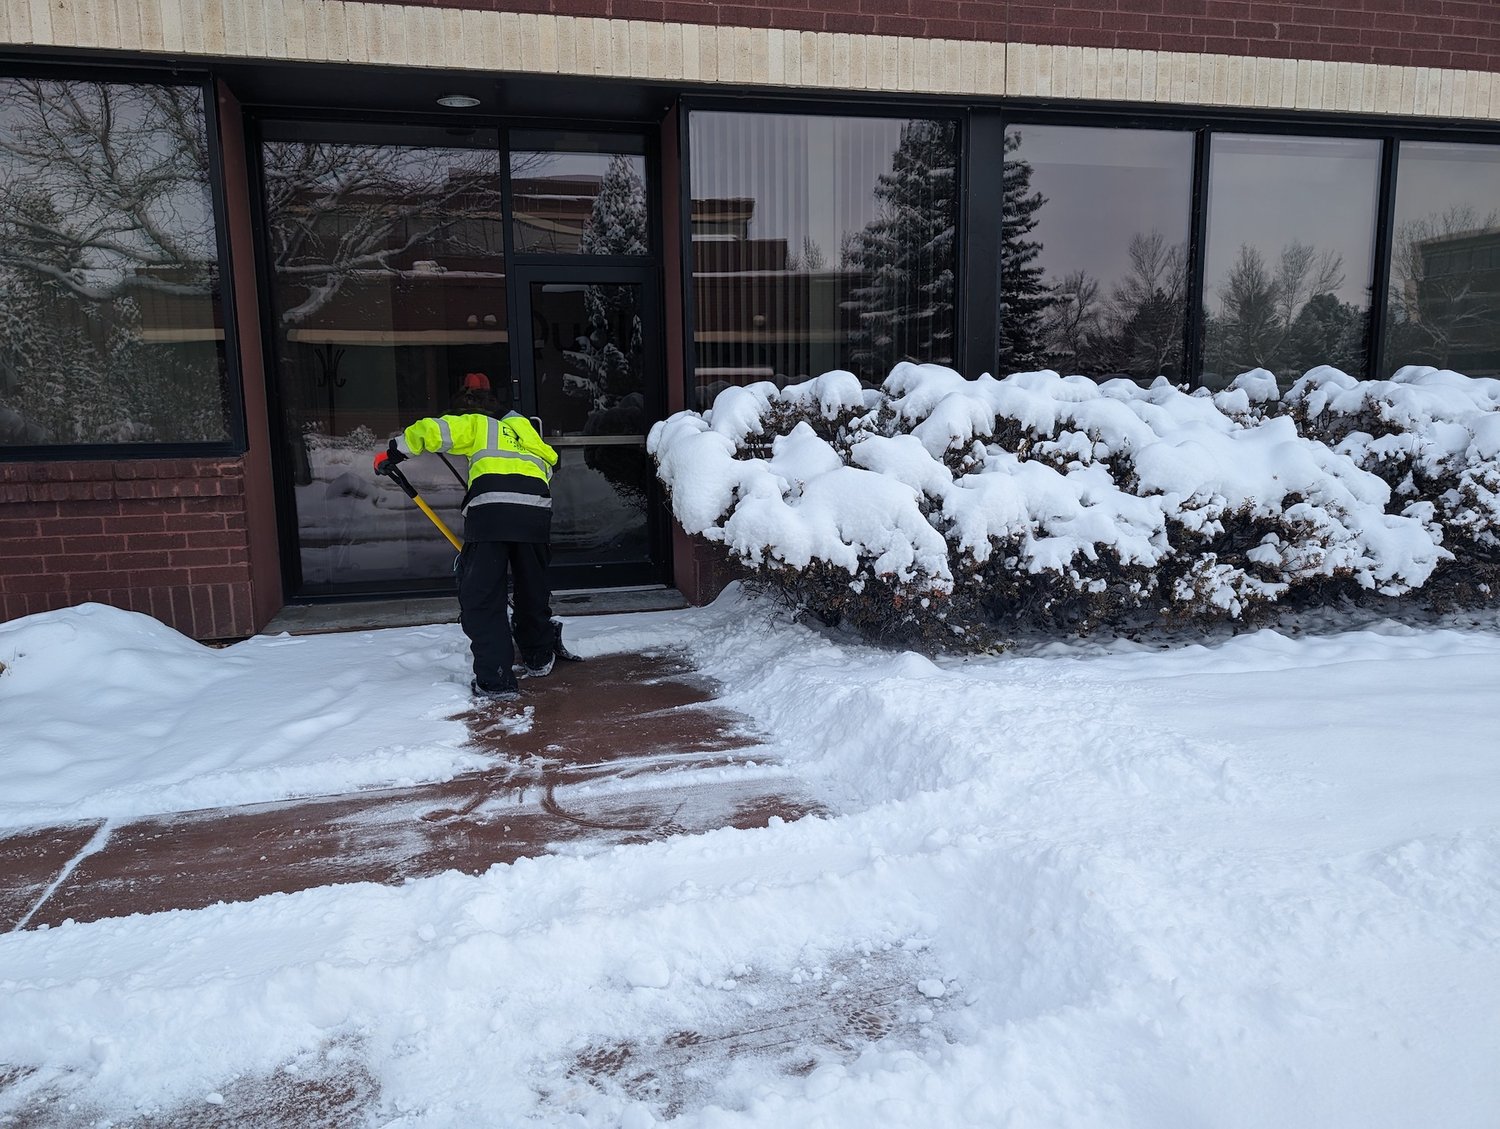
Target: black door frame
(647, 276)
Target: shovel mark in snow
(789, 1028)
(326, 1088)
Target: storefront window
(820, 243)
(1445, 263)
(573, 202)
(387, 287)
(1093, 255)
(1290, 256)
(110, 327)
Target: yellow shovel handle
(437, 521)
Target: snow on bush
(934, 508)
(1433, 437)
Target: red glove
(388, 458)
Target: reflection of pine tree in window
(607, 360)
(904, 299)
(1024, 296)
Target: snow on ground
(109, 713)
(1252, 881)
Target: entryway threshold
(419, 611)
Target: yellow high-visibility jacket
(510, 469)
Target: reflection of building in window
(1457, 301)
(551, 212)
(762, 311)
(388, 279)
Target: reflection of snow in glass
(354, 526)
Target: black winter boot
(501, 689)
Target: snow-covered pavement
(1245, 883)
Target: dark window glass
(588, 346)
(575, 202)
(820, 243)
(1445, 263)
(110, 328)
(1093, 258)
(388, 286)
(1290, 256)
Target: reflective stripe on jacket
(510, 467)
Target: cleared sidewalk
(620, 749)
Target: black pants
(482, 570)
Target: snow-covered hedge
(936, 508)
(1434, 438)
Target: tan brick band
(413, 36)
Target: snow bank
(109, 713)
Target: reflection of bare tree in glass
(1285, 319)
(1137, 331)
(106, 234)
(811, 257)
(1148, 313)
(341, 211)
(1073, 325)
(905, 256)
(1445, 291)
(349, 225)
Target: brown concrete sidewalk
(612, 756)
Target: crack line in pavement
(95, 844)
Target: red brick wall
(701, 569)
(162, 536)
(1462, 34)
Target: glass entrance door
(387, 274)
(401, 259)
(587, 354)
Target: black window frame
(235, 444)
(1204, 122)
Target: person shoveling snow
(507, 510)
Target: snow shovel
(395, 475)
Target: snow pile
(1238, 884)
(110, 713)
(933, 502)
